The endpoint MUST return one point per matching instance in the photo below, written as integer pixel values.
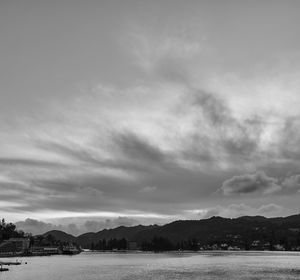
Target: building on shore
(70, 250)
(14, 246)
(42, 251)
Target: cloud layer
(148, 120)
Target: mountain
(241, 231)
(129, 233)
(60, 235)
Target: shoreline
(150, 252)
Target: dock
(10, 263)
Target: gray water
(131, 266)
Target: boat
(10, 263)
(3, 269)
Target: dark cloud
(131, 153)
(80, 192)
(100, 188)
(214, 109)
(219, 135)
(242, 139)
(29, 162)
(138, 148)
(257, 182)
(260, 183)
(90, 192)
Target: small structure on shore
(70, 250)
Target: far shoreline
(160, 252)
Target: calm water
(131, 266)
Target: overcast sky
(125, 112)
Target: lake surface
(132, 266)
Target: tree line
(111, 244)
(156, 244)
(9, 230)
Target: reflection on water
(131, 266)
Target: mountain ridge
(215, 229)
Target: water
(144, 266)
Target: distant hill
(242, 230)
(60, 235)
(128, 233)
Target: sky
(144, 112)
